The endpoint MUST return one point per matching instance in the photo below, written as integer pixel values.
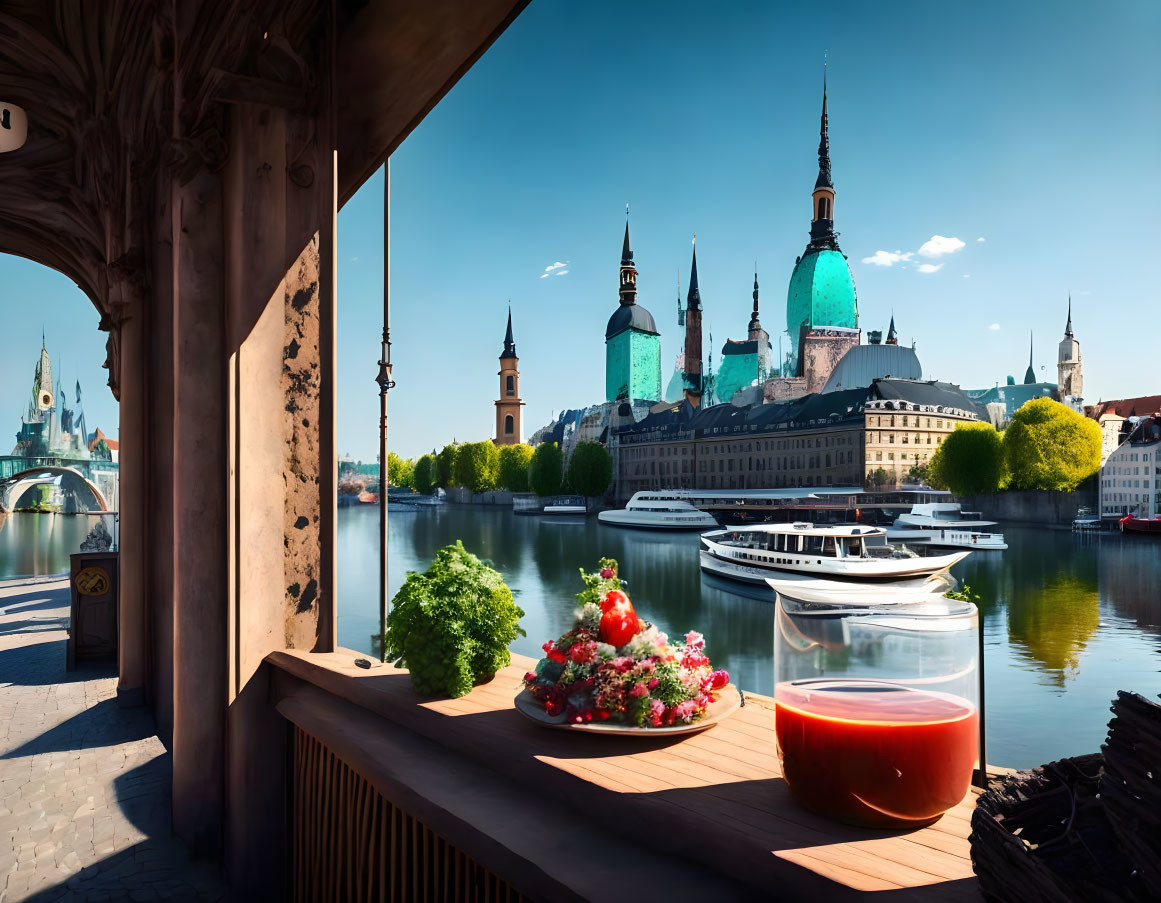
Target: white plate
(728, 701)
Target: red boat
(1131, 524)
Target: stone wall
(1029, 506)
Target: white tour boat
(752, 554)
(1086, 519)
(659, 511)
(944, 524)
(566, 505)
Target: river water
(1068, 619)
(38, 544)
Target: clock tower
(509, 408)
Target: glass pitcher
(876, 702)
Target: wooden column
(199, 480)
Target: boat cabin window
(854, 548)
(829, 546)
(813, 545)
(875, 541)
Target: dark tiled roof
(630, 316)
(739, 347)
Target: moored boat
(658, 511)
(943, 524)
(853, 553)
(1086, 519)
(1132, 524)
(566, 505)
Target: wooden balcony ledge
(576, 816)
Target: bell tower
(1069, 370)
(509, 408)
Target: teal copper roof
(822, 293)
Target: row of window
(883, 420)
(904, 439)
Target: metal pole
(385, 382)
(980, 778)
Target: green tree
(426, 474)
(969, 461)
(544, 470)
(880, 477)
(400, 470)
(590, 469)
(514, 460)
(917, 473)
(1050, 446)
(446, 459)
(477, 466)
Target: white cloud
(560, 272)
(548, 270)
(981, 238)
(938, 245)
(930, 267)
(887, 258)
(544, 275)
(995, 327)
(967, 275)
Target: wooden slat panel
(349, 843)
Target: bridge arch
(14, 487)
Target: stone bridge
(85, 491)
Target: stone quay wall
(1032, 506)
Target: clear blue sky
(1034, 126)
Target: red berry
(608, 573)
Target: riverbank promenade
(84, 783)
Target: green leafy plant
(451, 625)
(963, 594)
(446, 464)
(1050, 446)
(590, 469)
(514, 460)
(969, 461)
(477, 466)
(426, 474)
(544, 470)
(400, 470)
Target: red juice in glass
(873, 753)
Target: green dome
(822, 293)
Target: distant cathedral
(632, 343)
(49, 426)
(509, 408)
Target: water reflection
(1068, 620)
(1052, 625)
(39, 544)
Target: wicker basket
(1043, 836)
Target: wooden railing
(350, 843)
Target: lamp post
(385, 383)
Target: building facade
(745, 362)
(1130, 479)
(840, 438)
(509, 407)
(1069, 369)
(632, 343)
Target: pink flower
(657, 710)
(653, 682)
(719, 679)
(583, 653)
(685, 710)
(694, 639)
(639, 689)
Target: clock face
(46, 399)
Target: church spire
(626, 251)
(509, 342)
(754, 322)
(892, 336)
(693, 299)
(824, 177)
(1068, 326)
(1030, 373)
(628, 289)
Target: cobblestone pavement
(84, 783)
